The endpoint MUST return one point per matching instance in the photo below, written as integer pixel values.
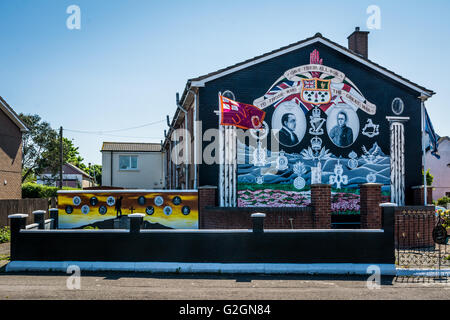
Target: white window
(128, 162)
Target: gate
(415, 247)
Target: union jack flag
(283, 85)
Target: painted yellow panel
(171, 209)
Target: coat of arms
(316, 91)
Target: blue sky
(124, 66)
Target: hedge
(34, 190)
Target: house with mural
(332, 116)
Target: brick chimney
(358, 42)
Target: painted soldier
(342, 135)
(119, 207)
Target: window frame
(129, 156)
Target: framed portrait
(289, 124)
(343, 125)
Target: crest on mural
(316, 91)
(315, 84)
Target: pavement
(122, 286)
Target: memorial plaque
(440, 235)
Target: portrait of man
(288, 122)
(341, 134)
(287, 135)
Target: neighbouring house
(351, 121)
(132, 165)
(11, 130)
(73, 177)
(440, 169)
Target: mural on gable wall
(311, 109)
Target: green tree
(429, 177)
(41, 148)
(96, 172)
(51, 159)
(36, 142)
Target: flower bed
(273, 198)
(343, 201)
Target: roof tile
(131, 147)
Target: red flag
(241, 115)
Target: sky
(123, 67)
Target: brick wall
(239, 218)
(370, 206)
(207, 196)
(321, 205)
(318, 216)
(414, 227)
(358, 42)
(418, 195)
(10, 159)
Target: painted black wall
(253, 82)
(206, 246)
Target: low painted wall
(207, 246)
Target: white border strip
(201, 83)
(199, 231)
(221, 268)
(422, 272)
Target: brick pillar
(370, 206)
(321, 203)
(418, 195)
(206, 198)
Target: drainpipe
(423, 99)
(170, 152)
(167, 167)
(186, 155)
(111, 168)
(194, 133)
(161, 177)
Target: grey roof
(316, 36)
(84, 173)
(131, 147)
(68, 165)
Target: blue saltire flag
(432, 136)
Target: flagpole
(221, 155)
(425, 200)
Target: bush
(34, 190)
(443, 201)
(429, 177)
(5, 234)
(445, 216)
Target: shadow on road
(385, 280)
